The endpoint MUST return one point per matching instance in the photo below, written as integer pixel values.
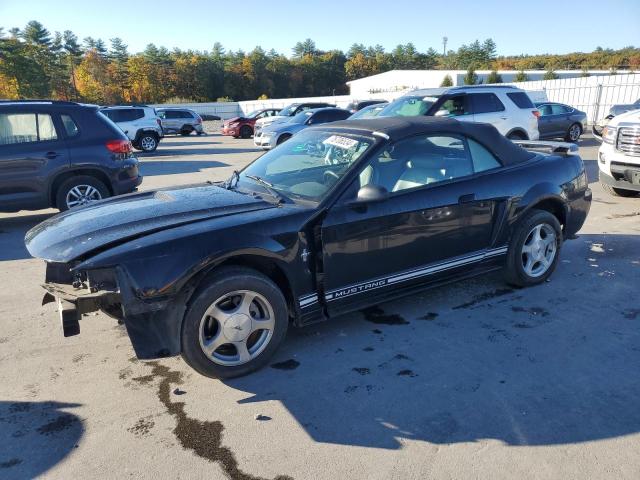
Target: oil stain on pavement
(203, 437)
(378, 315)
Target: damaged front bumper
(153, 324)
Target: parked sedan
(243, 126)
(559, 120)
(341, 217)
(277, 133)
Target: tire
(524, 248)
(148, 142)
(618, 192)
(246, 131)
(283, 138)
(83, 189)
(573, 133)
(186, 130)
(516, 136)
(205, 341)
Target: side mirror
(371, 193)
(442, 113)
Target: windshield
(288, 111)
(408, 106)
(306, 166)
(368, 112)
(301, 117)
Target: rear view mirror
(371, 193)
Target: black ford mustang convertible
(340, 217)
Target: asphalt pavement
(471, 380)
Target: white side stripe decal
(343, 292)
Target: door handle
(468, 198)
(51, 155)
(504, 118)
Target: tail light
(119, 146)
(536, 113)
(159, 122)
(199, 120)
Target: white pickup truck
(619, 155)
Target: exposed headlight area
(609, 135)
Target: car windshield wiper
(230, 183)
(269, 187)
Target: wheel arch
(63, 176)
(267, 266)
(548, 201)
(519, 130)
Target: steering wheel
(330, 177)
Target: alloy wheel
(574, 133)
(81, 195)
(148, 143)
(236, 328)
(539, 250)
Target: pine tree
(494, 77)
(471, 78)
(447, 81)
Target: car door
(487, 108)
(31, 146)
(430, 225)
(562, 119)
(545, 121)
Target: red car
(243, 126)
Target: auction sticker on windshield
(341, 142)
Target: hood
(282, 127)
(620, 109)
(234, 119)
(632, 116)
(269, 120)
(75, 233)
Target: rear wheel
(574, 132)
(246, 131)
(618, 192)
(516, 136)
(186, 130)
(234, 323)
(80, 190)
(533, 252)
(148, 142)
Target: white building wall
(390, 85)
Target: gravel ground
(472, 380)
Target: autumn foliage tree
(36, 63)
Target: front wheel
(283, 138)
(234, 323)
(80, 190)
(246, 131)
(534, 248)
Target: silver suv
(140, 123)
(180, 120)
(507, 108)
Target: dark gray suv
(61, 155)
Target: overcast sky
(539, 26)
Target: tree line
(35, 63)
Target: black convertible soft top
(397, 128)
